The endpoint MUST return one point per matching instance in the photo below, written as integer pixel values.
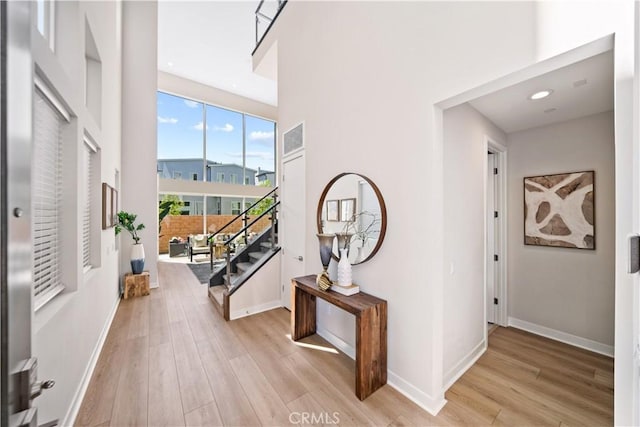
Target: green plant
(126, 221)
(169, 205)
(265, 204)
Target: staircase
(240, 267)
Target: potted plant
(127, 221)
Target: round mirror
(351, 206)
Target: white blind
(88, 155)
(46, 199)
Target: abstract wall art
(559, 210)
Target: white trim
(463, 366)
(414, 394)
(564, 337)
(51, 97)
(338, 342)
(237, 314)
(604, 44)
(411, 392)
(500, 273)
(70, 417)
(153, 285)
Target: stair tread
(243, 266)
(217, 292)
(256, 255)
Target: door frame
(601, 45)
(293, 156)
(500, 243)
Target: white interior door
(291, 223)
(491, 239)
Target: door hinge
(634, 254)
(495, 171)
(495, 301)
(495, 257)
(495, 214)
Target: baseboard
(587, 344)
(72, 413)
(461, 367)
(153, 285)
(411, 392)
(237, 314)
(338, 342)
(414, 394)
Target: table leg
(303, 313)
(371, 350)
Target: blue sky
(180, 131)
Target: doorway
(468, 163)
(495, 233)
(292, 223)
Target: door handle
(299, 258)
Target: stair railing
(273, 210)
(244, 215)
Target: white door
(291, 223)
(491, 240)
(19, 372)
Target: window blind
(88, 160)
(46, 199)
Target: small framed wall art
(347, 209)
(333, 210)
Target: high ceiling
(211, 42)
(579, 90)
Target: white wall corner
(404, 387)
(564, 337)
(451, 376)
(70, 417)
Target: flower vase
(344, 269)
(137, 258)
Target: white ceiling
(211, 42)
(511, 110)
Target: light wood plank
(194, 387)
(130, 406)
(205, 416)
(164, 392)
(265, 400)
(232, 401)
(170, 359)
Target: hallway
(170, 359)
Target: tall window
(89, 164)
(49, 119)
(198, 138)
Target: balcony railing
(266, 14)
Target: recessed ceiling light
(170, 64)
(540, 94)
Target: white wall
(139, 188)
(367, 98)
(465, 165)
(67, 331)
(568, 290)
(180, 86)
(260, 293)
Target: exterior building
(192, 169)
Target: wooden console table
(371, 328)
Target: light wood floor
(171, 360)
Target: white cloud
(170, 120)
(228, 127)
(261, 135)
(191, 104)
(200, 126)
